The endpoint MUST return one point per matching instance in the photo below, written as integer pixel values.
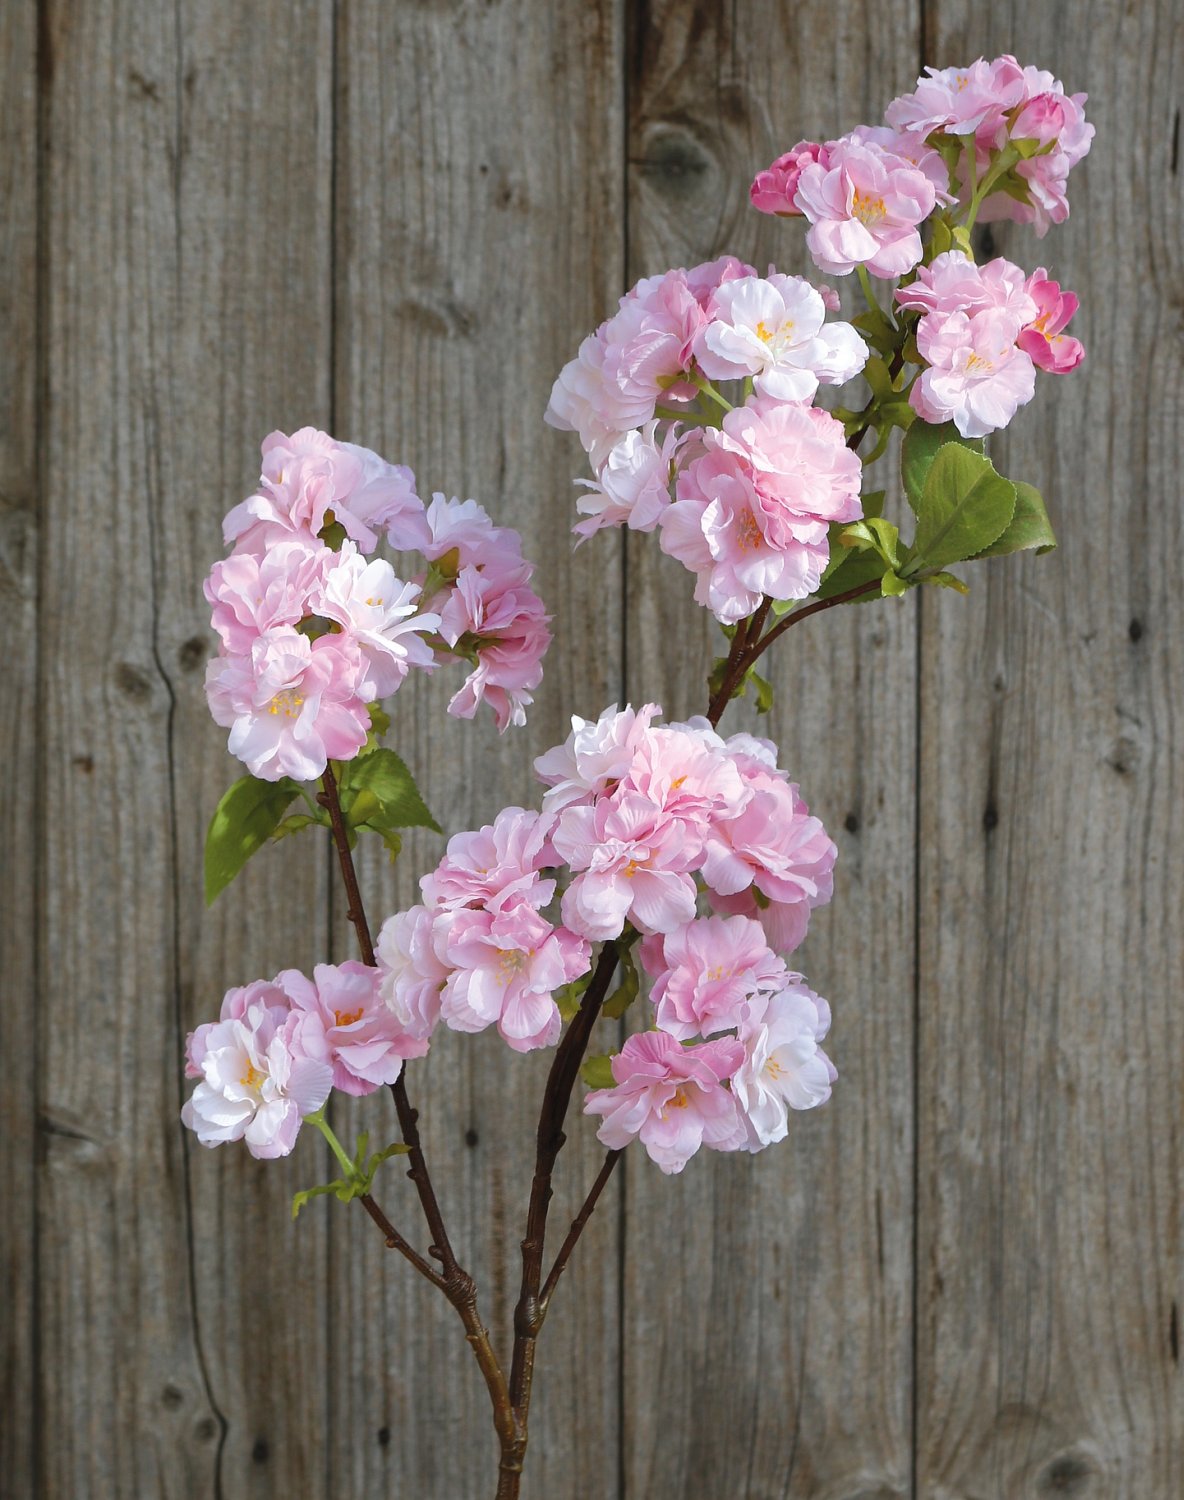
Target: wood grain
(1052, 826)
(187, 282)
(19, 810)
(478, 213)
(767, 1322)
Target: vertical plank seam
(927, 17)
(40, 466)
(153, 533)
(330, 1388)
(625, 31)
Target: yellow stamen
(252, 1078)
(866, 209)
(347, 1017)
(288, 703)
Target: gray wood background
(962, 1279)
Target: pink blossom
(410, 972)
(864, 207)
(912, 149)
(497, 621)
(707, 972)
(256, 1085)
(634, 858)
(1042, 338)
(671, 1098)
(378, 612)
(595, 756)
(704, 280)
(752, 514)
(959, 101)
(264, 993)
(1055, 120)
(463, 531)
(506, 966)
(977, 376)
(772, 857)
(953, 283)
(311, 481)
(773, 329)
(632, 487)
(495, 867)
(292, 704)
(784, 1068)
(774, 191)
(342, 1020)
(682, 775)
(251, 594)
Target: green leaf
(597, 1072)
(920, 448)
(295, 824)
(1029, 528)
(873, 503)
(626, 992)
(568, 996)
(764, 691)
(392, 784)
(243, 821)
(891, 586)
(854, 568)
(392, 840)
(964, 507)
(946, 581)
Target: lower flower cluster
(667, 839)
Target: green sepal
(892, 586)
(597, 1072)
(627, 991)
(568, 998)
(360, 1175)
(764, 691)
(964, 507)
(946, 581)
(296, 824)
(244, 820)
(1030, 529)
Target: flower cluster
(280, 1046)
(640, 823)
(745, 500)
(313, 629)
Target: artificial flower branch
(686, 862)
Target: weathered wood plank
(1051, 1044)
(19, 820)
(767, 1320)
(479, 212)
(188, 292)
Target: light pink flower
(1042, 338)
(506, 966)
(463, 528)
(292, 704)
(671, 1098)
(1057, 121)
(378, 612)
(774, 330)
(342, 1020)
(707, 972)
(977, 376)
(595, 756)
(310, 481)
(686, 778)
(495, 867)
(410, 972)
(912, 149)
(784, 1068)
(255, 1083)
(752, 513)
(251, 594)
(774, 190)
(632, 487)
(704, 280)
(864, 207)
(959, 101)
(773, 857)
(264, 993)
(497, 621)
(634, 858)
(953, 283)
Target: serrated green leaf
(920, 447)
(1030, 527)
(243, 821)
(626, 992)
(384, 774)
(363, 806)
(597, 1072)
(964, 507)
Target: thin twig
(577, 1229)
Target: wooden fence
(961, 1279)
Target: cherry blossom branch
(577, 1228)
(455, 1282)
